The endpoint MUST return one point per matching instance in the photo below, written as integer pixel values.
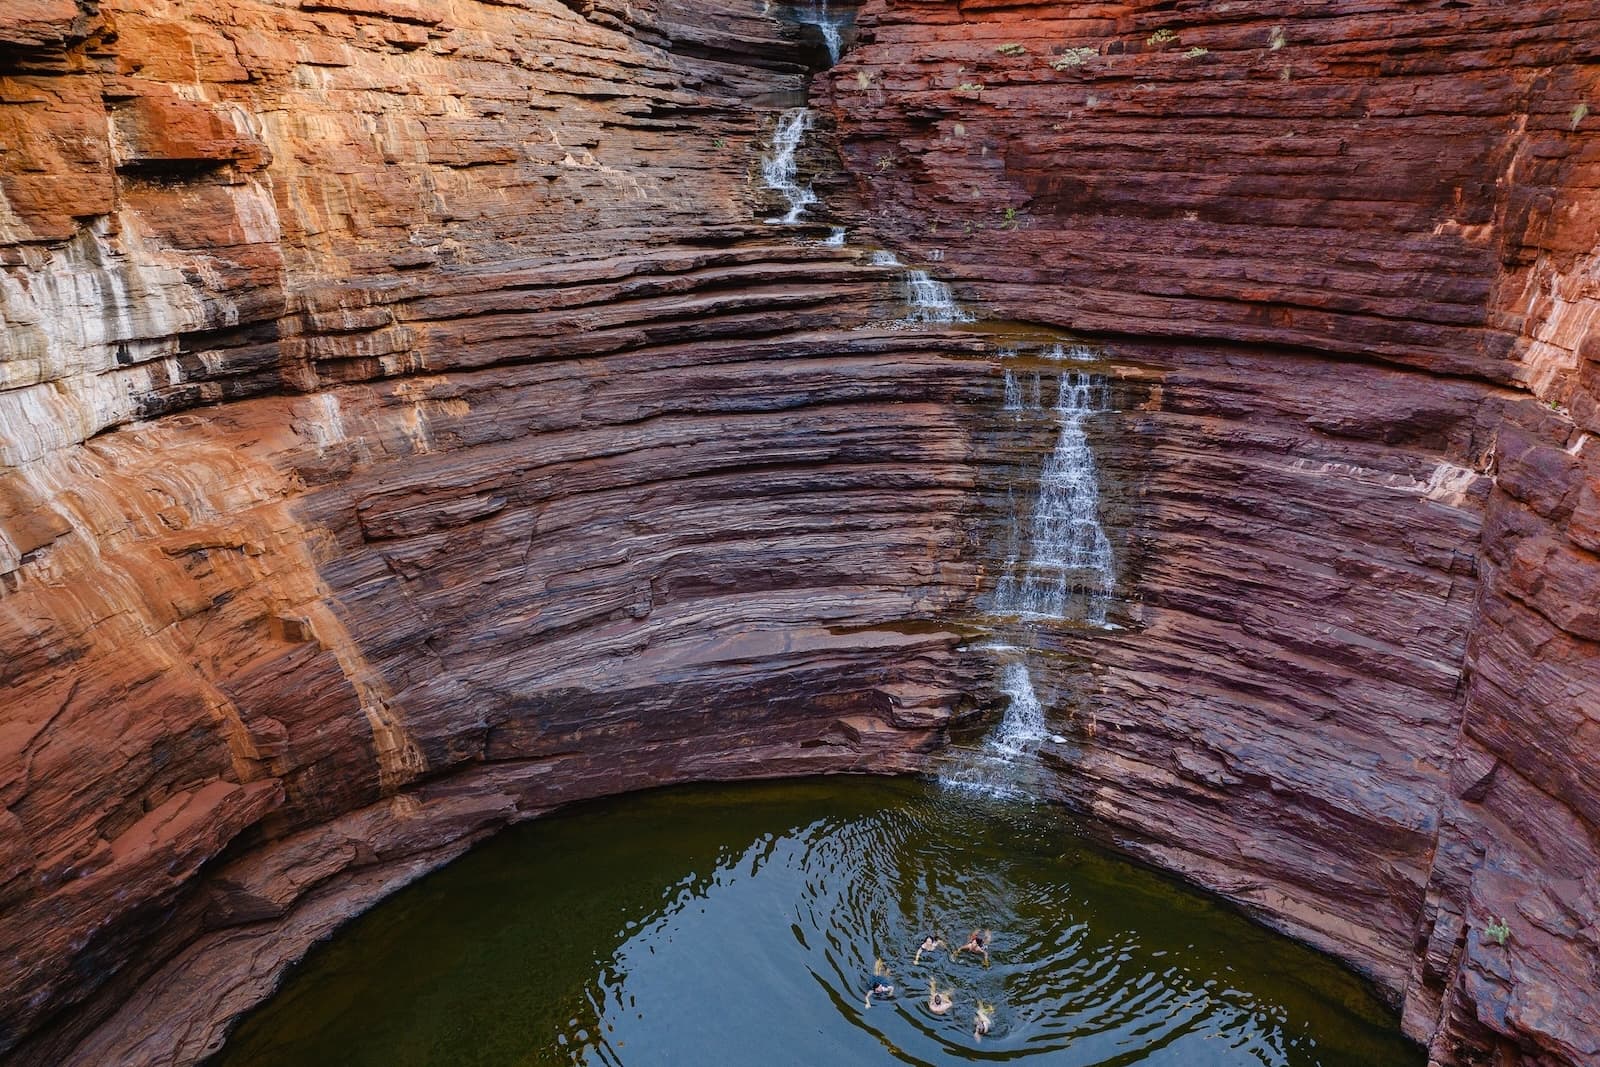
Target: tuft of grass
(1074, 57)
(1277, 39)
(718, 142)
(969, 87)
(1160, 37)
(1008, 219)
(1196, 53)
(1011, 49)
(1579, 113)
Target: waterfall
(830, 25)
(1060, 567)
(1022, 727)
(835, 238)
(931, 301)
(1001, 767)
(1067, 569)
(1078, 353)
(779, 169)
(1013, 401)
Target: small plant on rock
(1497, 931)
(969, 87)
(1008, 219)
(1196, 53)
(1074, 57)
(1012, 49)
(1579, 113)
(1277, 38)
(1160, 37)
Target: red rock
(408, 426)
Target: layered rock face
(409, 423)
(1360, 680)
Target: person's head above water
(878, 984)
(982, 1019)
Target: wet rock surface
(409, 424)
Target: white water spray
(1013, 401)
(779, 169)
(1002, 767)
(1065, 569)
(931, 302)
(829, 24)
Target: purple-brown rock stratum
(409, 423)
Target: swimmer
(931, 943)
(977, 942)
(982, 1020)
(878, 982)
(938, 1002)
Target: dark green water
(736, 925)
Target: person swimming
(938, 1002)
(982, 1020)
(978, 942)
(878, 983)
(931, 943)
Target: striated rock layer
(1359, 687)
(408, 424)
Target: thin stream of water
(829, 23)
(780, 170)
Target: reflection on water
(737, 925)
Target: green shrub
(1196, 53)
(1497, 931)
(1012, 49)
(1074, 57)
(1160, 37)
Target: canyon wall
(408, 422)
(1360, 684)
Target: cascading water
(1022, 727)
(829, 24)
(1067, 571)
(931, 302)
(780, 171)
(1013, 398)
(1003, 766)
(1059, 568)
